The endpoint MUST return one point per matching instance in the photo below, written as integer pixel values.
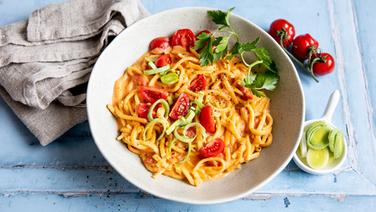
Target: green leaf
(221, 18)
(218, 56)
(239, 48)
(257, 92)
(261, 81)
(249, 46)
(265, 80)
(249, 79)
(202, 40)
(263, 54)
(206, 54)
(222, 45)
(235, 49)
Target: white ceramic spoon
(327, 118)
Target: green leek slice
(317, 136)
(160, 70)
(317, 159)
(165, 105)
(170, 78)
(151, 124)
(338, 145)
(303, 147)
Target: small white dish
(327, 118)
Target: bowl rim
(182, 199)
(310, 170)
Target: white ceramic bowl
(287, 108)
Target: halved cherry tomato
(281, 28)
(207, 119)
(183, 37)
(160, 42)
(139, 80)
(325, 65)
(150, 94)
(163, 60)
(247, 94)
(213, 149)
(180, 107)
(198, 84)
(191, 132)
(302, 45)
(205, 30)
(143, 109)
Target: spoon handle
(331, 106)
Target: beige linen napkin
(44, 59)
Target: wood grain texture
(71, 175)
(142, 202)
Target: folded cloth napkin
(44, 59)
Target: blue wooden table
(71, 175)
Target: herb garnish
(212, 49)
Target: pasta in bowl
(195, 107)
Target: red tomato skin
(183, 37)
(142, 110)
(302, 44)
(160, 42)
(202, 31)
(198, 84)
(321, 68)
(191, 132)
(150, 94)
(207, 119)
(278, 25)
(139, 80)
(212, 149)
(247, 94)
(180, 107)
(163, 60)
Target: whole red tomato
(324, 65)
(281, 28)
(302, 45)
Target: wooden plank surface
(70, 174)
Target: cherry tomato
(163, 60)
(160, 42)
(180, 107)
(247, 94)
(205, 30)
(302, 44)
(183, 37)
(143, 110)
(139, 80)
(212, 149)
(191, 132)
(281, 28)
(150, 94)
(207, 119)
(198, 84)
(325, 65)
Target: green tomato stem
(305, 68)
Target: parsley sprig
(213, 48)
